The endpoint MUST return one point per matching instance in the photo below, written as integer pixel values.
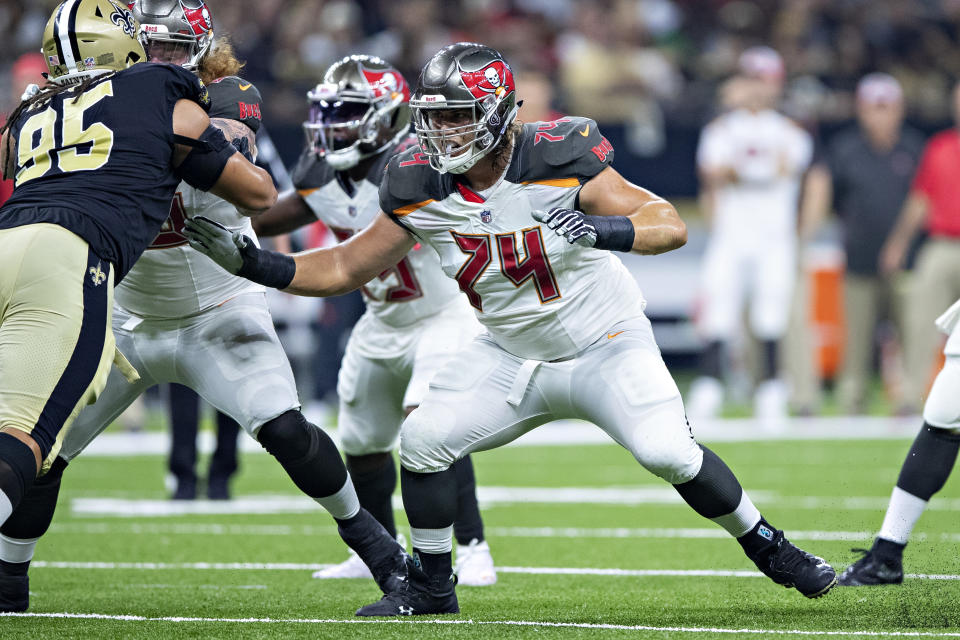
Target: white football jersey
(171, 279)
(770, 154)
(540, 297)
(414, 288)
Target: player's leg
(721, 298)
(773, 279)
(29, 521)
(924, 472)
(479, 400)
(223, 463)
(622, 385)
(861, 302)
(371, 394)
(184, 405)
(232, 357)
(446, 334)
(56, 347)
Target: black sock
(469, 525)
(14, 568)
(375, 478)
(18, 468)
(759, 540)
(887, 550)
(929, 462)
(434, 564)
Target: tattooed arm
(240, 136)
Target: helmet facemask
(181, 49)
(178, 32)
(346, 127)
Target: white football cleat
(352, 567)
(474, 566)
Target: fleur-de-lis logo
(124, 19)
(97, 275)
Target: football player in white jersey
(924, 472)
(181, 318)
(751, 160)
(525, 219)
(415, 318)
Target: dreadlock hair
(219, 62)
(50, 89)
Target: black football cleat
(419, 595)
(872, 570)
(14, 593)
(790, 566)
(379, 550)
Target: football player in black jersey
(566, 334)
(307, 454)
(92, 187)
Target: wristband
(614, 233)
(269, 268)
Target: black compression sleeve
(205, 162)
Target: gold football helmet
(90, 37)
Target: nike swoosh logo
(614, 335)
(243, 87)
(585, 132)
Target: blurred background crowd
(653, 73)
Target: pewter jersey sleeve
(540, 297)
(770, 154)
(172, 280)
(415, 287)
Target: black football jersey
(98, 163)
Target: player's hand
(217, 242)
(573, 226)
(243, 146)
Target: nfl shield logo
(486, 215)
(352, 210)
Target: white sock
(17, 550)
(344, 504)
(744, 518)
(432, 540)
(6, 507)
(904, 511)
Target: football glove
(238, 253)
(217, 242)
(573, 226)
(614, 233)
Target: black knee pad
(307, 454)
(33, 515)
(18, 467)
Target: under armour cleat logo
(97, 275)
(406, 611)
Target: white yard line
(575, 432)
(274, 530)
(513, 623)
(488, 496)
(295, 566)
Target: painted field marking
(513, 623)
(295, 566)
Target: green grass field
(233, 575)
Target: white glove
(216, 242)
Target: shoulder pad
(234, 98)
(569, 147)
(184, 84)
(410, 180)
(377, 169)
(311, 172)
